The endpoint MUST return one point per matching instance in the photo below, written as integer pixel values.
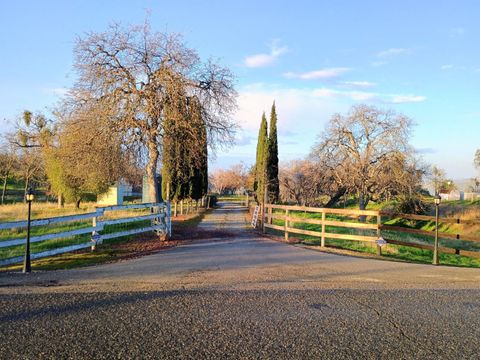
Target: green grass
(231, 197)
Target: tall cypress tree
(272, 159)
(260, 166)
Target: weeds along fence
(57, 235)
(325, 226)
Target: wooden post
(181, 207)
(322, 241)
(379, 223)
(175, 209)
(286, 225)
(264, 207)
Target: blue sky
(314, 58)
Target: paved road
(242, 297)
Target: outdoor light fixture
(29, 196)
(27, 267)
(437, 200)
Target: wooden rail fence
(159, 216)
(366, 231)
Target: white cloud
(446, 67)
(367, 96)
(323, 74)
(262, 60)
(358, 84)
(392, 52)
(402, 99)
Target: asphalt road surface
(243, 296)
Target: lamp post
(435, 248)
(27, 267)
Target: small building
(115, 194)
(452, 195)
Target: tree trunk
(153, 154)
(362, 205)
(77, 203)
(335, 198)
(4, 188)
(25, 191)
(60, 201)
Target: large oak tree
(366, 152)
(136, 75)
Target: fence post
(286, 224)
(96, 237)
(168, 220)
(322, 241)
(379, 223)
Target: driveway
(242, 296)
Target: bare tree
(136, 75)
(300, 182)
(361, 148)
(232, 179)
(437, 177)
(30, 168)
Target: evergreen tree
(198, 163)
(272, 159)
(185, 169)
(260, 167)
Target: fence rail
(160, 218)
(365, 231)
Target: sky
(314, 58)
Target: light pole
(27, 267)
(435, 248)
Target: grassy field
(395, 251)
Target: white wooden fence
(159, 215)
